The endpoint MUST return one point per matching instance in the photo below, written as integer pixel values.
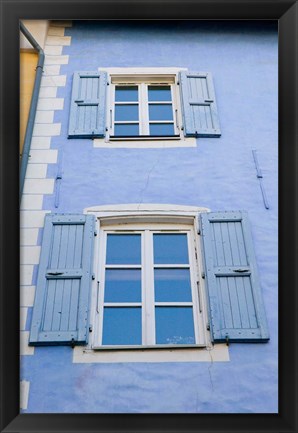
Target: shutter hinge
(72, 343)
(227, 340)
(90, 328)
(93, 276)
(203, 275)
(208, 326)
(95, 232)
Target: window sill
(154, 347)
(144, 137)
(153, 142)
(194, 353)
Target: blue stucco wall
(219, 174)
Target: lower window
(148, 290)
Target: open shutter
(88, 105)
(235, 301)
(61, 306)
(199, 109)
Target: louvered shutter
(61, 306)
(200, 118)
(88, 105)
(235, 300)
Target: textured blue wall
(218, 173)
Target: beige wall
(38, 29)
(28, 62)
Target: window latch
(240, 270)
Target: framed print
(148, 242)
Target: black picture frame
(286, 12)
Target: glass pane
(126, 130)
(126, 112)
(160, 112)
(174, 325)
(159, 93)
(123, 249)
(172, 285)
(122, 326)
(170, 248)
(162, 129)
(126, 94)
(123, 285)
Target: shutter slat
(61, 307)
(198, 102)
(88, 105)
(64, 326)
(49, 306)
(235, 300)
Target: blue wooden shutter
(61, 306)
(200, 118)
(88, 105)
(235, 299)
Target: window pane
(172, 285)
(159, 93)
(126, 130)
(127, 112)
(160, 112)
(170, 248)
(123, 285)
(123, 249)
(122, 326)
(126, 94)
(162, 129)
(174, 325)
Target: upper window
(144, 110)
(143, 104)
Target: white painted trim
(28, 237)
(24, 394)
(27, 296)
(23, 318)
(25, 349)
(145, 208)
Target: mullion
(169, 266)
(123, 304)
(127, 122)
(162, 121)
(123, 266)
(160, 102)
(173, 304)
(127, 103)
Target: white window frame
(142, 77)
(149, 217)
(147, 267)
(143, 108)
